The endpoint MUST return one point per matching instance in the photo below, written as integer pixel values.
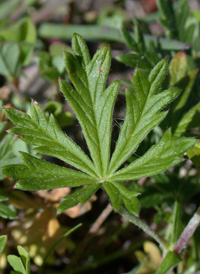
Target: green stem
(55, 244)
(139, 223)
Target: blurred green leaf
(7, 212)
(21, 265)
(178, 67)
(136, 270)
(7, 8)
(177, 226)
(10, 60)
(194, 154)
(3, 241)
(24, 257)
(170, 260)
(95, 32)
(167, 17)
(21, 31)
(56, 49)
(188, 121)
(134, 60)
(111, 16)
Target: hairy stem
(139, 223)
(187, 232)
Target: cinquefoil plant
(93, 106)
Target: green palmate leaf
(166, 153)
(140, 107)
(170, 260)
(3, 241)
(47, 136)
(92, 105)
(120, 195)
(37, 174)
(80, 196)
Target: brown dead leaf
(21, 200)
(53, 195)
(80, 209)
(4, 92)
(37, 231)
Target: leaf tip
(33, 101)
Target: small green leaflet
(80, 196)
(93, 103)
(21, 265)
(120, 195)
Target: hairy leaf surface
(38, 174)
(93, 103)
(157, 159)
(142, 113)
(47, 136)
(80, 196)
